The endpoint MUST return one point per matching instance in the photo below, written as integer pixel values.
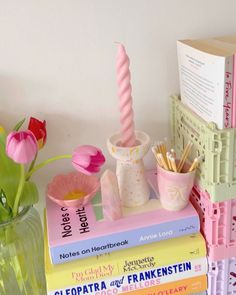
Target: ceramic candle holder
(130, 172)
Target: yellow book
(177, 255)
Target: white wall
(57, 62)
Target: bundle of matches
(164, 159)
(185, 154)
(167, 160)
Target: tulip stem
(44, 163)
(19, 190)
(32, 163)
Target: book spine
(123, 240)
(234, 95)
(228, 93)
(138, 280)
(188, 286)
(100, 269)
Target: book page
(202, 82)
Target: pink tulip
(21, 146)
(88, 159)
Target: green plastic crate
(217, 172)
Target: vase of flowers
(21, 237)
(21, 254)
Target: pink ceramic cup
(174, 188)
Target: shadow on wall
(65, 131)
(11, 98)
(64, 134)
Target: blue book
(76, 233)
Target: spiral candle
(125, 103)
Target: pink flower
(88, 159)
(21, 146)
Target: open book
(206, 73)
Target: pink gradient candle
(125, 99)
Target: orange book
(182, 287)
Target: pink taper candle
(125, 103)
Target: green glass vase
(21, 255)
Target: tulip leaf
(4, 213)
(3, 201)
(30, 194)
(9, 173)
(5, 210)
(18, 125)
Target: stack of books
(148, 251)
(207, 71)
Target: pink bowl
(63, 185)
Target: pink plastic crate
(218, 224)
(222, 277)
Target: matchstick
(168, 155)
(158, 149)
(164, 151)
(160, 156)
(155, 154)
(195, 163)
(173, 153)
(173, 164)
(161, 149)
(184, 156)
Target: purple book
(76, 233)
